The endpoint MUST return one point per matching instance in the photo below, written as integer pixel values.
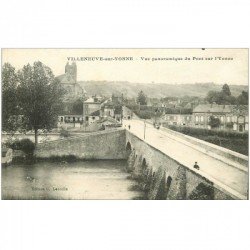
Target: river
(79, 180)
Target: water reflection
(79, 180)
(41, 138)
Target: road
(219, 172)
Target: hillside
(155, 89)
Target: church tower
(71, 70)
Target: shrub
(26, 145)
(15, 145)
(214, 122)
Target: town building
(178, 119)
(69, 121)
(90, 106)
(94, 116)
(231, 116)
(112, 109)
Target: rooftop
(213, 108)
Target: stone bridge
(162, 161)
(168, 157)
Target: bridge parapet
(226, 155)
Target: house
(240, 118)
(108, 109)
(109, 123)
(177, 119)
(91, 105)
(66, 121)
(127, 113)
(94, 116)
(230, 116)
(111, 109)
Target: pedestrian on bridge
(129, 127)
(196, 166)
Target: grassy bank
(228, 139)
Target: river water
(79, 180)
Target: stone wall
(168, 178)
(99, 145)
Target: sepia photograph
(124, 124)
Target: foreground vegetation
(228, 139)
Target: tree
(77, 107)
(40, 97)
(142, 99)
(222, 97)
(226, 90)
(10, 109)
(214, 122)
(242, 99)
(212, 97)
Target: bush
(214, 122)
(26, 145)
(15, 145)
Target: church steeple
(71, 70)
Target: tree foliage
(222, 97)
(141, 98)
(243, 98)
(10, 109)
(40, 97)
(226, 90)
(214, 122)
(77, 107)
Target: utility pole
(144, 129)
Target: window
(222, 118)
(228, 119)
(196, 118)
(202, 118)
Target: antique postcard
(147, 124)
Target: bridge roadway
(225, 176)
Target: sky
(188, 66)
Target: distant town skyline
(142, 65)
